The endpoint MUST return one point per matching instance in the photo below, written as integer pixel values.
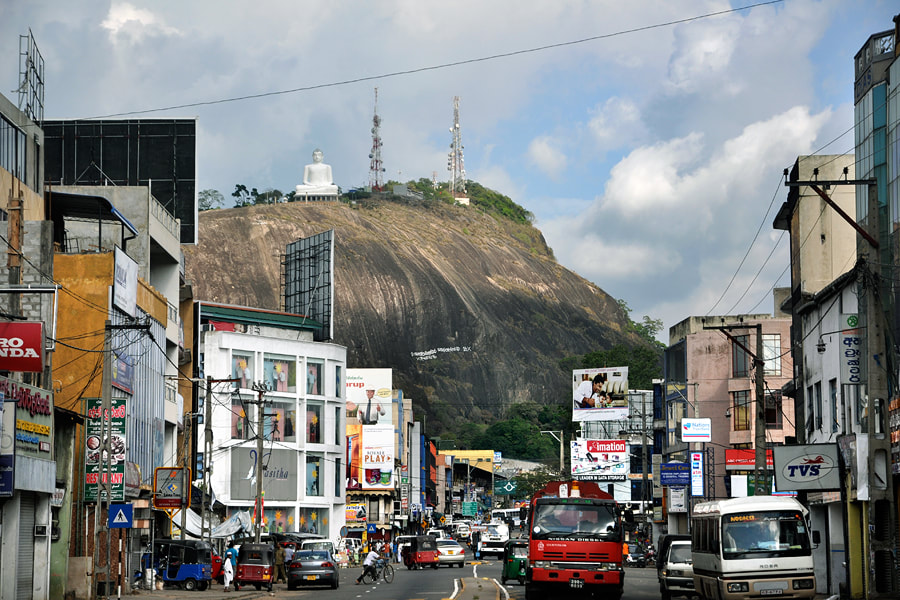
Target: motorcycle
(636, 559)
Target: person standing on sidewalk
(279, 564)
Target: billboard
(95, 472)
(279, 474)
(600, 460)
(675, 474)
(600, 394)
(696, 430)
(369, 396)
(378, 457)
(125, 284)
(697, 473)
(22, 346)
(744, 459)
(806, 467)
(309, 281)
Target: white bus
(506, 515)
(752, 547)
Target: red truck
(574, 542)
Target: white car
(451, 553)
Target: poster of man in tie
(369, 396)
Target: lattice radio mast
(455, 163)
(376, 168)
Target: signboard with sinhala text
(95, 471)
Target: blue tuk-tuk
(183, 563)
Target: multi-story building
(710, 373)
(287, 395)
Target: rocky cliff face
(471, 311)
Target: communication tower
(376, 168)
(455, 163)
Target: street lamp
(561, 439)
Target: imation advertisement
(369, 394)
(600, 394)
(378, 457)
(600, 460)
(22, 347)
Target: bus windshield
(555, 520)
(764, 535)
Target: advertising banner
(600, 394)
(279, 474)
(95, 464)
(696, 430)
(744, 459)
(851, 348)
(354, 456)
(22, 347)
(369, 396)
(696, 474)
(677, 500)
(378, 457)
(126, 283)
(355, 514)
(675, 474)
(806, 467)
(600, 460)
(34, 418)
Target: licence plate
(771, 592)
(312, 577)
(576, 583)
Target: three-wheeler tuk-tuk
(515, 561)
(255, 566)
(183, 563)
(421, 552)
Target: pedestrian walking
(279, 565)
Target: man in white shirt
(368, 565)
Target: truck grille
(584, 556)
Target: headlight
(803, 584)
(665, 573)
(542, 564)
(741, 586)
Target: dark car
(312, 567)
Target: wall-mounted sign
(696, 430)
(22, 347)
(125, 283)
(675, 473)
(806, 467)
(696, 474)
(95, 471)
(744, 459)
(850, 351)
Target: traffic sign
(469, 509)
(370, 528)
(121, 516)
(505, 488)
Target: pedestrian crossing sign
(121, 516)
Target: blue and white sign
(696, 473)
(121, 516)
(675, 473)
(696, 430)
(370, 528)
(806, 467)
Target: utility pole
(260, 388)
(206, 524)
(561, 438)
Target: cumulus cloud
(616, 123)
(125, 21)
(544, 154)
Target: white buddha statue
(317, 179)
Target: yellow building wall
(34, 203)
(83, 310)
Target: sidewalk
(482, 588)
(216, 591)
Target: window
(338, 383)
(337, 424)
(242, 370)
(314, 378)
(818, 390)
(314, 423)
(741, 410)
(309, 520)
(240, 424)
(280, 422)
(740, 361)
(771, 343)
(832, 393)
(774, 410)
(809, 409)
(374, 510)
(280, 373)
(313, 475)
(338, 478)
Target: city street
(427, 584)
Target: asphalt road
(426, 584)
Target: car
(312, 567)
(451, 553)
(676, 575)
(438, 533)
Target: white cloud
(616, 124)
(124, 20)
(550, 160)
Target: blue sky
(650, 153)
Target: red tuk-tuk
(422, 551)
(255, 566)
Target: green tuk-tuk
(515, 561)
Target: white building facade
(299, 385)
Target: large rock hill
(482, 292)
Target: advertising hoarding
(806, 467)
(369, 396)
(696, 430)
(697, 474)
(279, 474)
(95, 464)
(22, 346)
(600, 460)
(675, 474)
(378, 457)
(744, 459)
(125, 283)
(600, 394)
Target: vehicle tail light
(296, 565)
(327, 565)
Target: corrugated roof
(256, 316)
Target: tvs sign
(22, 347)
(807, 467)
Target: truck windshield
(553, 520)
(764, 535)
